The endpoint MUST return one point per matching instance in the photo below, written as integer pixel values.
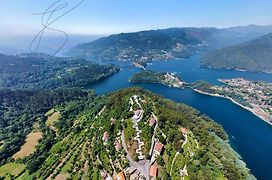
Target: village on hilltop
(144, 156)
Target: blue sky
(114, 16)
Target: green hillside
(96, 138)
(40, 71)
(165, 44)
(145, 45)
(254, 55)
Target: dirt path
(100, 112)
(176, 155)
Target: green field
(12, 169)
(52, 117)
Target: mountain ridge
(254, 55)
(165, 44)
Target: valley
(55, 127)
(164, 44)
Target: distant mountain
(166, 43)
(20, 44)
(254, 55)
(41, 71)
(145, 45)
(236, 35)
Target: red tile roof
(105, 136)
(184, 130)
(121, 176)
(159, 147)
(152, 121)
(118, 145)
(153, 170)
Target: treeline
(19, 109)
(39, 71)
(203, 86)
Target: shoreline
(235, 69)
(250, 110)
(160, 83)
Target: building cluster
(256, 95)
(146, 167)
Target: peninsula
(165, 78)
(254, 96)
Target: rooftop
(184, 130)
(153, 170)
(158, 147)
(121, 176)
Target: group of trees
(79, 129)
(44, 72)
(21, 108)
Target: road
(141, 166)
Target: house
(118, 145)
(105, 137)
(152, 121)
(121, 176)
(153, 170)
(184, 130)
(103, 175)
(158, 148)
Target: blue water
(249, 135)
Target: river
(249, 135)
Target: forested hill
(21, 109)
(254, 55)
(40, 71)
(93, 137)
(144, 45)
(165, 43)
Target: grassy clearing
(2, 144)
(36, 126)
(12, 169)
(52, 118)
(62, 176)
(50, 112)
(130, 132)
(32, 140)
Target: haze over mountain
(254, 55)
(20, 43)
(166, 43)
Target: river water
(249, 135)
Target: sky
(115, 16)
